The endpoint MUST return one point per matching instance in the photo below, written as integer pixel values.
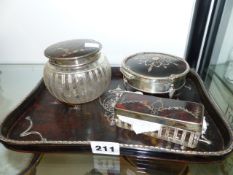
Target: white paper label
(140, 126)
(110, 148)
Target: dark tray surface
(43, 124)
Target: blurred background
(123, 27)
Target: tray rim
(6, 141)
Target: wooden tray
(43, 124)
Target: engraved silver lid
(76, 52)
(152, 65)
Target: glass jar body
(78, 84)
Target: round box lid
(155, 65)
(73, 52)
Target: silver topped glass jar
(154, 73)
(77, 72)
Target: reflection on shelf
(89, 164)
(221, 88)
(229, 72)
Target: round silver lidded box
(154, 73)
(77, 72)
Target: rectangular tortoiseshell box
(179, 122)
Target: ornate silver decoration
(155, 109)
(158, 106)
(188, 87)
(108, 101)
(27, 132)
(180, 108)
(156, 61)
(68, 52)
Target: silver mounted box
(154, 73)
(175, 121)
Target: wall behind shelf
(123, 27)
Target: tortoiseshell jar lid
(73, 52)
(153, 65)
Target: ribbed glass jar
(80, 77)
